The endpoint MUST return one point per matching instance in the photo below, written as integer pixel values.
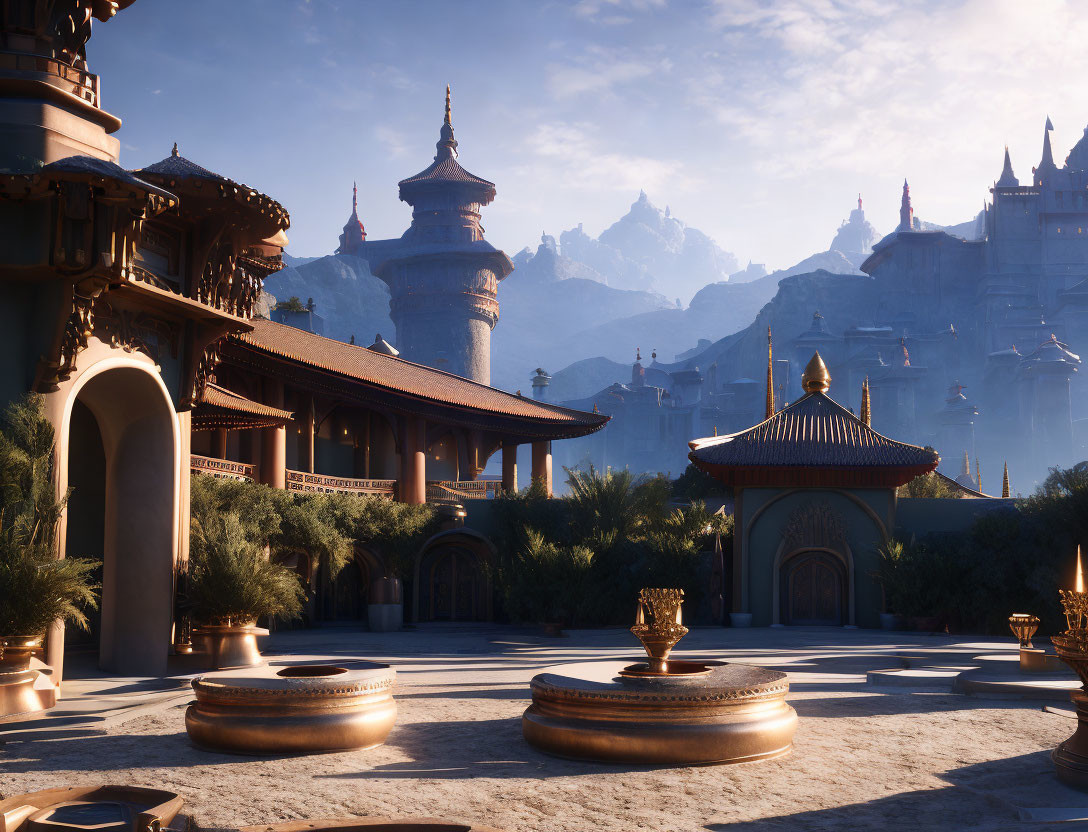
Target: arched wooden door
(456, 585)
(814, 592)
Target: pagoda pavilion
(815, 495)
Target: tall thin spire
(1046, 164)
(1008, 178)
(966, 466)
(906, 212)
(1005, 490)
(859, 202)
(355, 199)
(447, 144)
(978, 474)
(866, 404)
(770, 376)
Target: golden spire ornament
(816, 378)
(1006, 492)
(978, 474)
(866, 404)
(449, 115)
(770, 376)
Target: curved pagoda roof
(445, 169)
(358, 373)
(813, 442)
(185, 177)
(222, 408)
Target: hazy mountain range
(580, 306)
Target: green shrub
(36, 588)
(230, 580)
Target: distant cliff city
(968, 335)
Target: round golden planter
(23, 691)
(229, 645)
(370, 825)
(293, 709)
(725, 713)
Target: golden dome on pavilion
(816, 378)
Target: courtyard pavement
(876, 747)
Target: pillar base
(25, 693)
(1071, 757)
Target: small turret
(1046, 164)
(1006, 492)
(906, 211)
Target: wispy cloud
(576, 155)
(614, 11)
(392, 140)
(598, 70)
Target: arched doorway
(118, 450)
(453, 579)
(814, 590)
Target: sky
(756, 122)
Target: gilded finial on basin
(659, 624)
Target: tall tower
(444, 277)
(354, 236)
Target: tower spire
(1008, 178)
(1005, 490)
(966, 467)
(978, 474)
(1046, 164)
(355, 199)
(906, 212)
(447, 144)
(770, 376)
(866, 404)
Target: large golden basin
(293, 708)
(728, 713)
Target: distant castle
(1002, 316)
(442, 274)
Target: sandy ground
(865, 757)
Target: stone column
(306, 437)
(509, 468)
(273, 469)
(413, 461)
(542, 464)
(219, 443)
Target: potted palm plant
(231, 584)
(36, 586)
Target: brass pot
(16, 651)
(1023, 626)
(22, 691)
(230, 645)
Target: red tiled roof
(395, 374)
(813, 441)
(219, 407)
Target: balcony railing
(450, 492)
(302, 481)
(225, 468)
(68, 78)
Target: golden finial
(770, 376)
(1005, 490)
(816, 378)
(866, 404)
(978, 475)
(595, 410)
(174, 152)
(449, 115)
(715, 430)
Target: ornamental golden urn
(1023, 626)
(658, 625)
(1071, 757)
